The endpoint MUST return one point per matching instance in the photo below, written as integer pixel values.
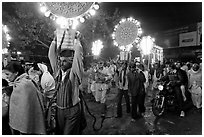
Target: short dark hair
(15, 67)
(4, 83)
(172, 65)
(35, 66)
(141, 66)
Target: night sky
(159, 16)
(155, 16)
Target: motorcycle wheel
(158, 107)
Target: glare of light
(153, 39)
(43, 9)
(4, 51)
(53, 17)
(115, 43)
(96, 6)
(62, 22)
(8, 37)
(146, 45)
(96, 47)
(128, 48)
(138, 23)
(47, 14)
(113, 35)
(123, 20)
(75, 24)
(92, 12)
(81, 19)
(116, 26)
(122, 48)
(130, 18)
(140, 31)
(5, 28)
(18, 52)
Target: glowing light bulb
(8, 37)
(5, 51)
(92, 12)
(96, 6)
(81, 19)
(43, 9)
(113, 35)
(5, 28)
(47, 14)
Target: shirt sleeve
(77, 65)
(52, 55)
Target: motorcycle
(164, 100)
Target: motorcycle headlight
(160, 87)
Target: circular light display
(67, 13)
(69, 9)
(127, 32)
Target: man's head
(172, 67)
(195, 67)
(132, 66)
(156, 65)
(178, 64)
(66, 59)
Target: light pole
(146, 45)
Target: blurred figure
(142, 88)
(47, 85)
(26, 112)
(195, 85)
(6, 93)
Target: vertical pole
(148, 62)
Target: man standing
(134, 82)
(123, 90)
(68, 74)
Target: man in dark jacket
(142, 88)
(134, 81)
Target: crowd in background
(131, 84)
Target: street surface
(169, 124)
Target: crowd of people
(32, 103)
(133, 79)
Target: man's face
(66, 63)
(156, 66)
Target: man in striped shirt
(68, 78)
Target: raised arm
(77, 65)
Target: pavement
(169, 124)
